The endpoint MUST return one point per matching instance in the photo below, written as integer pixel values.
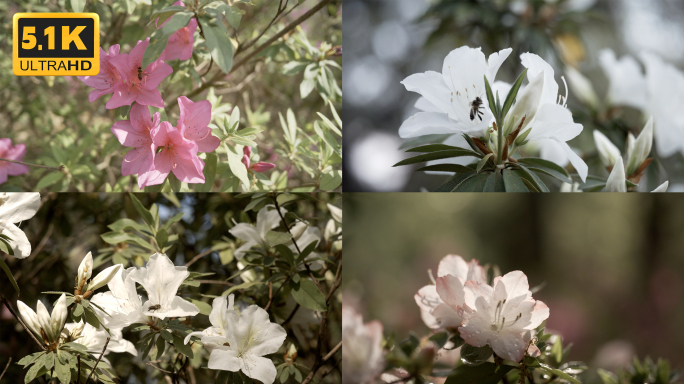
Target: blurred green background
(613, 265)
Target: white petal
(19, 242)
(44, 320)
(260, 368)
(255, 328)
(29, 316)
(582, 87)
(464, 68)
(85, 269)
(59, 313)
(453, 265)
(18, 206)
(662, 187)
(494, 63)
(424, 105)
(450, 290)
(642, 148)
(576, 161)
(104, 277)
(431, 86)
(161, 279)
(608, 152)
(616, 180)
(178, 307)
(335, 212)
(267, 219)
(246, 232)
(429, 123)
(446, 317)
(526, 105)
(225, 360)
(627, 83)
(535, 66)
(554, 122)
(427, 300)
(510, 346)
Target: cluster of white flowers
(455, 102)
(503, 316)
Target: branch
(78, 374)
(331, 353)
(201, 255)
(9, 306)
(60, 168)
(280, 10)
(98, 361)
(6, 366)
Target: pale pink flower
(11, 152)
(256, 167)
(180, 43)
(362, 355)
(194, 123)
(138, 84)
(503, 316)
(428, 299)
(177, 155)
(107, 79)
(136, 133)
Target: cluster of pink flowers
(11, 152)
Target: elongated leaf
(432, 148)
(144, 213)
(163, 14)
(438, 156)
(494, 183)
(532, 177)
(209, 171)
(5, 268)
(182, 347)
(486, 373)
(475, 355)
(455, 168)
(512, 94)
(216, 36)
(548, 167)
(471, 143)
(473, 184)
(490, 99)
(161, 36)
(482, 162)
(513, 182)
(559, 373)
(275, 238)
(49, 179)
(455, 181)
(77, 5)
(308, 295)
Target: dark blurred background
(388, 40)
(69, 225)
(613, 265)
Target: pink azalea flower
(136, 133)
(177, 154)
(180, 43)
(256, 167)
(138, 84)
(194, 123)
(11, 152)
(107, 79)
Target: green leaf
(559, 373)
(473, 184)
(78, 5)
(512, 94)
(455, 168)
(236, 165)
(491, 100)
(513, 182)
(172, 220)
(494, 183)
(455, 181)
(275, 238)
(182, 347)
(147, 344)
(483, 162)
(475, 355)
(331, 180)
(308, 296)
(144, 213)
(241, 286)
(438, 155)
(164, 14)
(547, 167)
(433, 148)
(531, 177)
(9, 275)
(160, 345)
(209, 171)
(162, 238)
(486, 373)
(160, 37)
(49, 179)
(216, 37)
(62, 372)
(204, 308)
(35, 369)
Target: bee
(476, 108)
(140, 73)
(155, 307)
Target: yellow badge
(56, 44)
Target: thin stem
(290, 316)
(9, 306)
(6, 366)
(78, 374)
(332, 352)
(60, 168)
(201, 255)
(98, 361)
(500, 141)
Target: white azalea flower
(122, 302)
(307, 235)
(455, 100)
(501, 316)
(362, 355)
(331, 230)
(161, 279)
(94, 339)
(221, 312)
(51, 325)
(582, 87)
(428, 299)
(251, 335)
(335, 212)
(608, 152)
(665, 85)
(552, 123)
(267, 219)
(627, 83)
(103, 277)
(16, 207)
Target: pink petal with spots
(208, 144)
(123, 95)
(150, 97)
(195, 116)
(155, 73)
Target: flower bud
(85, 270)
(662, 187)
(642, 148)
(103, 277)
(617, 181)
(582, 87)
(59, 314)
(336, 213)
(30, 317)
(608, 152)
(526, 105)
(262, 166)
(44, 321)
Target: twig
(78, 374)
(9, 306)
(163, 370)
(290, 316)
(280, 10)
(331, 353)
(201, 255)
(98, 361)
(6, 366)
(60, 168)
(43, 240)
(219, 282)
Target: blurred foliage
(113, 227)
(300, 72)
